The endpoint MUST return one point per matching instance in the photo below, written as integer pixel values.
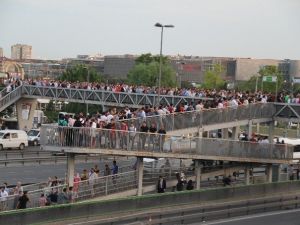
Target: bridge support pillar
(247, 175)
(235, 133)
(250, 129)
(70, 169)
(269, 172)
(225, 133)
(271, 132)
(140, 168)
(198, 173)
(258, 128)
(25, 112)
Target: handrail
(97, 138)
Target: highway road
(288, 217)
(39, 173)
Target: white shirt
(3, 196)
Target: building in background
(20, 51)
(1, 52)
(118, 66)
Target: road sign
(269, 78)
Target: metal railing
(10, 98)
(194, 119)
(61, 137)
(103, 97)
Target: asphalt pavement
(288, 217)
(38, 173)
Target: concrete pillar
(276, 172)
(235, 133)
(140, 168)
(271, 132)
(269, 172)
(25, 112)
(258, 128)
(225, 133)
(199, 140)
(198, 173)
(70, 169)
(250, 129)
(247, 175)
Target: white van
(13, 139)
(34, 137)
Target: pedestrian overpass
(25, 97)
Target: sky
(231, 28)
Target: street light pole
(88, 80)
(160, 56)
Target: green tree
(80, 73)
(213, 79)
(146, 72)
(256, 81)
(271, 71)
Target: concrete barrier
(130, 204)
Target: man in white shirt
(199, 106)
(3, 199)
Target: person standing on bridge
(143, 135)
(162, 137)
(153, 139)
(132, 133)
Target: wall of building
(294, 68)
(246, 68)
(118, 66)
(19, 51)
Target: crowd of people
(219, 96)
(20, 196)
(55, 190)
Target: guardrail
(43, 160)
(104, 97)
(7, 154)
(205, 117)
(215, 202)
(124, 141)
(10, 98)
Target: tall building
(1, 52)
(19, 51)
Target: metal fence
(176, 121)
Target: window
(14, 135)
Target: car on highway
(34, 137)
(13, 139)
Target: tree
(80, 73)
(271, 71)
(213, 79)
(146, 72)
(254, 81)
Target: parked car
(34, 137)
(13, 139)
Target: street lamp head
(158, 25)
(167, 26)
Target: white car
(13, 139)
